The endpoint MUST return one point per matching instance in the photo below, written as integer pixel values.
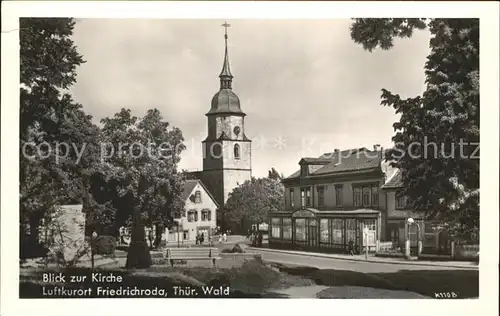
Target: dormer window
(236, 151)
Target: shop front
(325, 231)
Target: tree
(251, 202)
(275, 175)
(58, 140)
(441, 180)
(140, 173)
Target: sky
(305, 86)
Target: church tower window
(236, 151)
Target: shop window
(324, 230)
(300, 229)
(287, 228)
(276, 227)
(337, 231)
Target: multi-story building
(199, 217)
(350, 196)
(333, 200)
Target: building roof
(394, 182)
(189, 186)
(341, 161)
(225, 102)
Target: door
(313, 233)
(370, 233)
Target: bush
(104, 245)
(236, 249)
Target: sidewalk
(373, 259)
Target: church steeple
(225, 76)
(225, 101)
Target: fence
(466, 252)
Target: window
(321, 196)
(401, 202)
(338, 195)
(366, 196)
(370, 224)
(374, 195)
(287, 228)
(236, 151)
(337, 230)
(324, 231)
(292, 203)
(302, 197)
(197, 197)
(300, 229)
(308, 197)
(276, 227)
(193, 216)
(206, 215)
(357, 197)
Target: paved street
(340, 264)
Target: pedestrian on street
(224, 237)
(351, 247)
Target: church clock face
(236, 130)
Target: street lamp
(92, 242)
(419, 243)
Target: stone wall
(67, 232)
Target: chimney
(376, 147)
(336, 150)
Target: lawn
(464, 283)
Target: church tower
(227, 151)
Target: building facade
(333, 201)
(227, 151)
(432, 235)
(199, 217)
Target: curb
(320, 255)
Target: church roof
(225, 102)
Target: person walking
(351, 247)
(224, 237)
